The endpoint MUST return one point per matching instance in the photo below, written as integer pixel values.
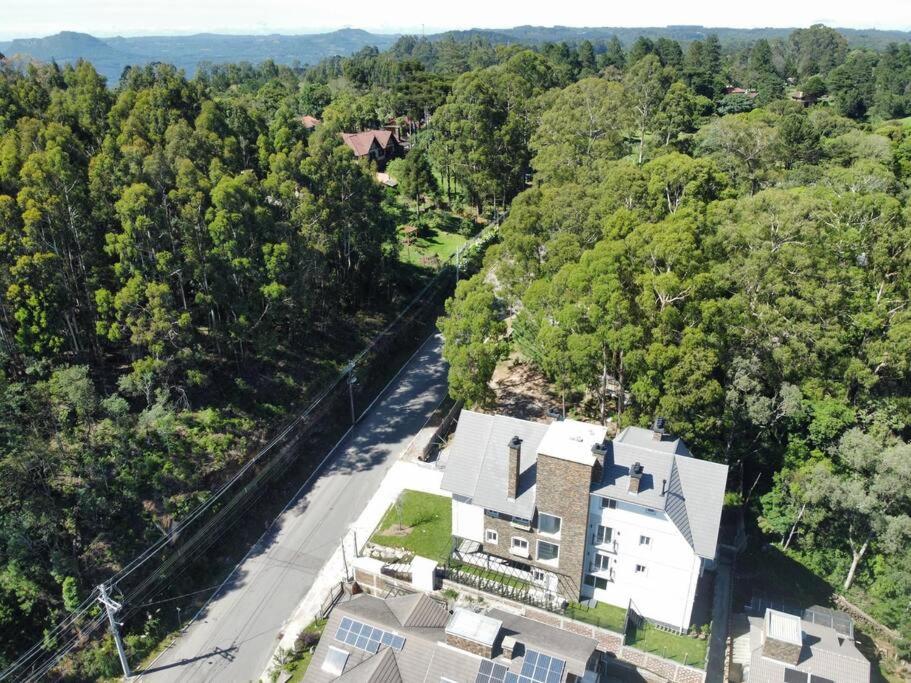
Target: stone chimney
(515, 461)
(658, 429)
(782, 637)
(508, 646)
(635, 477)
(600, 453)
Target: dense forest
(177, 255)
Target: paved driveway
(235, 636)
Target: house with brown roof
(380, 146)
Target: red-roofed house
(377, 145)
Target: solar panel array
(841, 622)
(536, 668)
(540, 668)
(365, 637)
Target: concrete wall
(467, 521)
(665, 592)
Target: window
(601, 562)
(538, 575)
(649, 511)
(521, 522)
(335, 661)
(491, 536)
(645, 540)
(609, 503)
(603, 535)
(595, 581)
(493, 514)
(549, 524)
(548, 551)
(640, 569)
(519, 546)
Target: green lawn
(603, 615)
(432, 242)
(298, 668)
(680, 648)
(428, 523)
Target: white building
(632, 521)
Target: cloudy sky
(27, 18)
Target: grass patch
(603, 615)
(427, 521)
(298, 666)
(430, 243)
(680, 648)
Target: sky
(35, 18)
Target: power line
(201, 540)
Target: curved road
(234, 637)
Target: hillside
(111, 55)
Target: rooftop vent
(635, 477)
(515, 458)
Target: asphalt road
(234, 637)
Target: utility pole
(352, 380)
(458, 262)
(112, 607)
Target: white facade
(467, 520)
(644, 558)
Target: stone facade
(563, 490)
(469, 646)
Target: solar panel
(365, 637)
(794, 676)
(491, 672)
(538, 667)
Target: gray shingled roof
(426, 656)
(695, 488)
(381, 668)
(478, 463)
(825, 654)
(573, 648)
(419, 610)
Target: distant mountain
(111, 55)
(729, 37)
